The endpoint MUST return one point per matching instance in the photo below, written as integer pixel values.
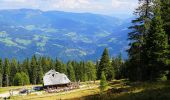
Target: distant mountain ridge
(68, 36)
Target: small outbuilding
(55, 79)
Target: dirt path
(67, 92)
(3, 95)
(15, 93)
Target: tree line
(149, 52)
(31, 71)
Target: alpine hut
(55, 79)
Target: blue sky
(108, 7)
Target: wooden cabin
(53, 79)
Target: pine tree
(76, 69)
(6, 74)
(18, 80)
(137, 50)
(1, 78)
(39, 72)
(157, 45)
(26, 65)
(33, 70)
(117, 64)
(13, 70)
(44, 65)
(103, 82)
(97, 69)
(24, 78)
(105, 66)
(1, 72)
(70, 71)
(165, 13)
(81, 71)
(64, 68)
(91, 71)
(58, 65)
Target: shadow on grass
(153, 94)
(151, 91)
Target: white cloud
(95, 6)
(124, 5)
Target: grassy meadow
(117, 90)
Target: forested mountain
(68, 36)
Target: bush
(21, 79)
(25, 78)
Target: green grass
(6, 89)
(77, 93)
(139, 91)
(117, 90)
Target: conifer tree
(26, 65)
(117, 64)
(70, 71)
(103, 82)
(91, 71)
(137, 50)
(24, 78)
(6, 74)
(33, 70)
(64, 68)
(165, 13)
(157, 45)
(1, 72)
(97, 69)
(18, 81)
(13, 70)
(105, 65)
(44, 64)
(39, 72)
(81, 71)
(58, 65)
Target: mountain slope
(68, 36)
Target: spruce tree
(103, 82)
(25, 78)
(105, 65)
(13, 70)
(137, 50)
(33, 70)
(81, 71)
(44, 64)
(26, 65)
(63, 68)
(58, 65)
(70, 71)
(18, 80)
(117, 64)
(6, 74)
(97, 69)
(157, 45)
(165, 13)
(76, 70)
(39, 72)
(91, 71)
(1, 72)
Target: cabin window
(53, 75)
(65, 78)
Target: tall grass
(139, 91)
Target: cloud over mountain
(95, 6)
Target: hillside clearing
(117, 90)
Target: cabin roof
(55, 78)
